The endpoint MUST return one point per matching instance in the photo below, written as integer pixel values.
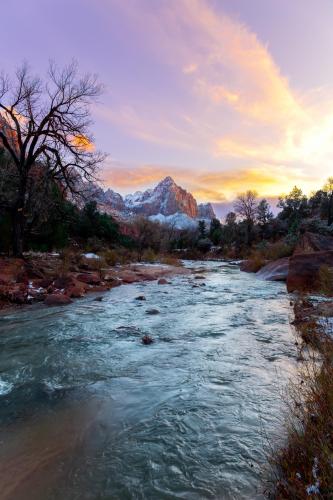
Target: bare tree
(45, 126)
(246, 207)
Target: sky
(223, 95)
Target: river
(89, 412)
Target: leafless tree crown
(246, 205)
(49, 123)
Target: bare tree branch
(48, 124)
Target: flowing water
(89, 412)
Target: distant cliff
(165, 200)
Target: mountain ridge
(166, 199)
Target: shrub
(149, 255)
(278, 250)
(325, 280)
(170, 260)
(255, 262)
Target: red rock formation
(57, 299)
(311, 242)
(166, 198)
(304, 268)
(275, 271)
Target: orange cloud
(267, 180)
(239, 107)
(82, 142)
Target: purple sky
(222, 95)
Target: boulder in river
(146, 339)
(152, 312)
(112, 281)
(75, 291)
(275, 271)
(163, 281)
(89, 278)
(57, 299)
(140, 297)
(304, 268)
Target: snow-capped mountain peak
(165, 200)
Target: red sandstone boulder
(275, 271)
(163, 281)
(57, 299)
(63, 282)
(75, 291)
(312, 242)
(304, 268)
(14, 292)
(89, 278)
(42, 283)
(99, 288)
(129, 277)
(12, 270)
(112, 281)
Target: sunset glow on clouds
(223, 96)
(255, 130)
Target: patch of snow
(177, 220)
(313, 489)
(90, 255)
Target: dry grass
(170, 260)
(120, 255)
(256, 261)
(278, 250)
(149, 256)
(325, 280)
(303, 468)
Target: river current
(89, 412)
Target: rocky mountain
(206, 211)
(166, 198)
(167, 202)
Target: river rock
(152, 312)
(163, 281)
(99, 288)
(275, 271)
(140, 297)
(147, 340)
(304, 268)
(129, 277)
(75, 292)
(89, 278)
(57, 299)
(112, 281)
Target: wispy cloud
(238, 106)
(206, 185)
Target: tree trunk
(330, 210)
(18, 232)
(19, 219)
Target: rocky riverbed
(45, 278)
